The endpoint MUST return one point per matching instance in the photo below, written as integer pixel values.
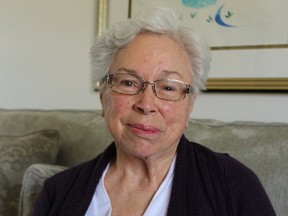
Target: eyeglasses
(130, 84)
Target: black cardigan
(205, 183)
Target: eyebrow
(163, 72)
(167, 73)
(126, 70)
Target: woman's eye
(127, 83)
(168, 88)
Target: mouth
(143, 130)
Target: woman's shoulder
(246, 192)
(221, 165)
(71, 173)
(229, 165)
(86, 169)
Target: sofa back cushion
(33, 181)
(17, 153)
(83, 133)
(263, 147)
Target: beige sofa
(35, 144)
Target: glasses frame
(108, 79)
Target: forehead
(153, 53)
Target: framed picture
(248, 38)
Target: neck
(152, 169)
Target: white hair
(156, 20)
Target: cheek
(114, 105)
(177, 114)
(173, 112)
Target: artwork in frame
(248, 39)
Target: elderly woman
(151, 70)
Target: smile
(140, 129)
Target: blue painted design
(219, 20)
(198, 3)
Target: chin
(143, 151)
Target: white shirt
(101, 206)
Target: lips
(141, 129)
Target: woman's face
(144, 125)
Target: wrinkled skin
(143, 125)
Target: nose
(146, 100)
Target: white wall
(44, 53)
(44, 63)
(247, 107)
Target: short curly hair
(156, 20)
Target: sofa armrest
(33, 180)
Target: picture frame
(258, 75)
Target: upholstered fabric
(204, 184)
(32, 183)
(83, 133)
(17, 153)
(261, 146)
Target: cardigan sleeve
(70, 191)
(52, 191)
(63, 192)
(247, 195)
(43, 203)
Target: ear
(101, 97)
(101, 100)
(193, 98)
(102, 91)
(191, 106)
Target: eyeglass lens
(167, 89)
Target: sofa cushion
(33, 180)
(263, 147)
(17, 153)
(83, 133)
